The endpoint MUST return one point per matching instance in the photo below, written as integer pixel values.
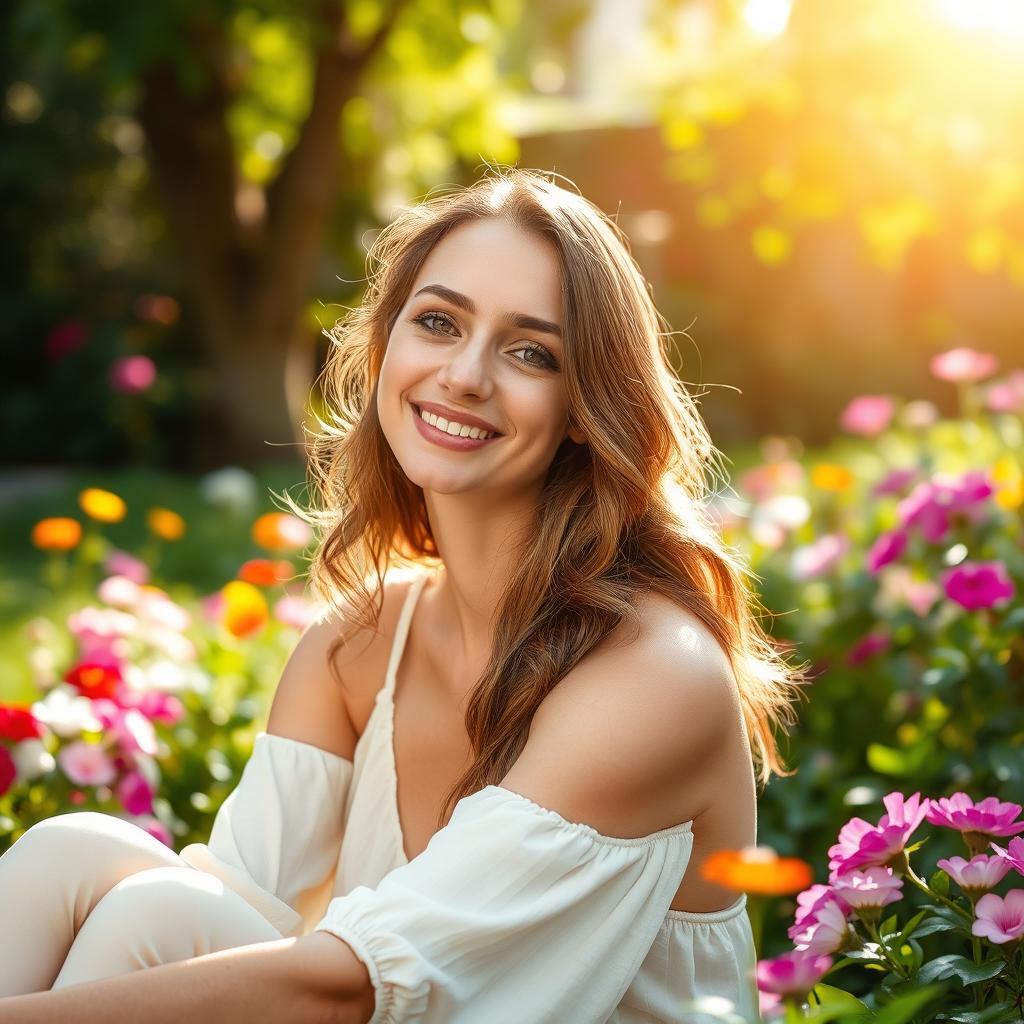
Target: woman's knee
(179, 912)
(94, 842)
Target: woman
(511, 826)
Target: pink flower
(963, 365)
(810, 901)
(155, 828)
(990, 816)
(1000, 920)
(862, 844)
(978, 584)
(135, 793)
(213, 606)
(867, 415)
(8, 770)
(295, 611)
(132, 375)
(899, 589)
(135, 732)
(868, 646)
(86, 764)
(818, 557)
(120, 563)
(979, 874)
(827, 933)
(886, 548)
(931, 505)
(873, 887)
(793, 974)
(1013, 854)
(1006, 395)
(158, 706)
(896, 480)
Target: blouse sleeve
(511, 913)
(277, 836)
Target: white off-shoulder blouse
(511, 914)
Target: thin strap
(402, 631)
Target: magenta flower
(962, 365)
(990, 816)
(874, 887)
(978, 584)
(867, 647)
(810, 902)
(1013, 854)
(1000, 920)
(862, 844)
(817, 558)
(894, 482)
(793, 974)
(132, 374)
(886, 548)
(827, 933)
(135, 793)
(86, 764)
(977, 875)
(867, 415)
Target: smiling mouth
(491, 434)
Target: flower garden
(889, 881)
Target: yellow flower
(757, 869)
(58, 533)
(827, 476)
(103, 506)
(167, 525)
(245, 608)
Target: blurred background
(828, 200)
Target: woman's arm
(314, 979)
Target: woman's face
(455, 344)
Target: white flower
(230, 488)
(31, 759)
(66, 712)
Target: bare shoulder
(626, 741)
(332, 675)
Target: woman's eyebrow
(530, 323)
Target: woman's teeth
(453, 428)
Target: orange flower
(103, 506)
(757, 869)
(167, 525)
(280, 531)
(245, 608)
(262, 572)
(827, 476)
(58, 533)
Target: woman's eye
(545, 360)
(424, 317)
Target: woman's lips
(444, 440)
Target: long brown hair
(624, 514)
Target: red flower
(94, 679)
(8, 772)
(17, 723)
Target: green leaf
(940, 883)
(831, 996)
(908, 928)
(888, 926)
(995, 1014)
(954, 965)
(903, 1008)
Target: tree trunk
(251, 276)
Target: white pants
(86, 895)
